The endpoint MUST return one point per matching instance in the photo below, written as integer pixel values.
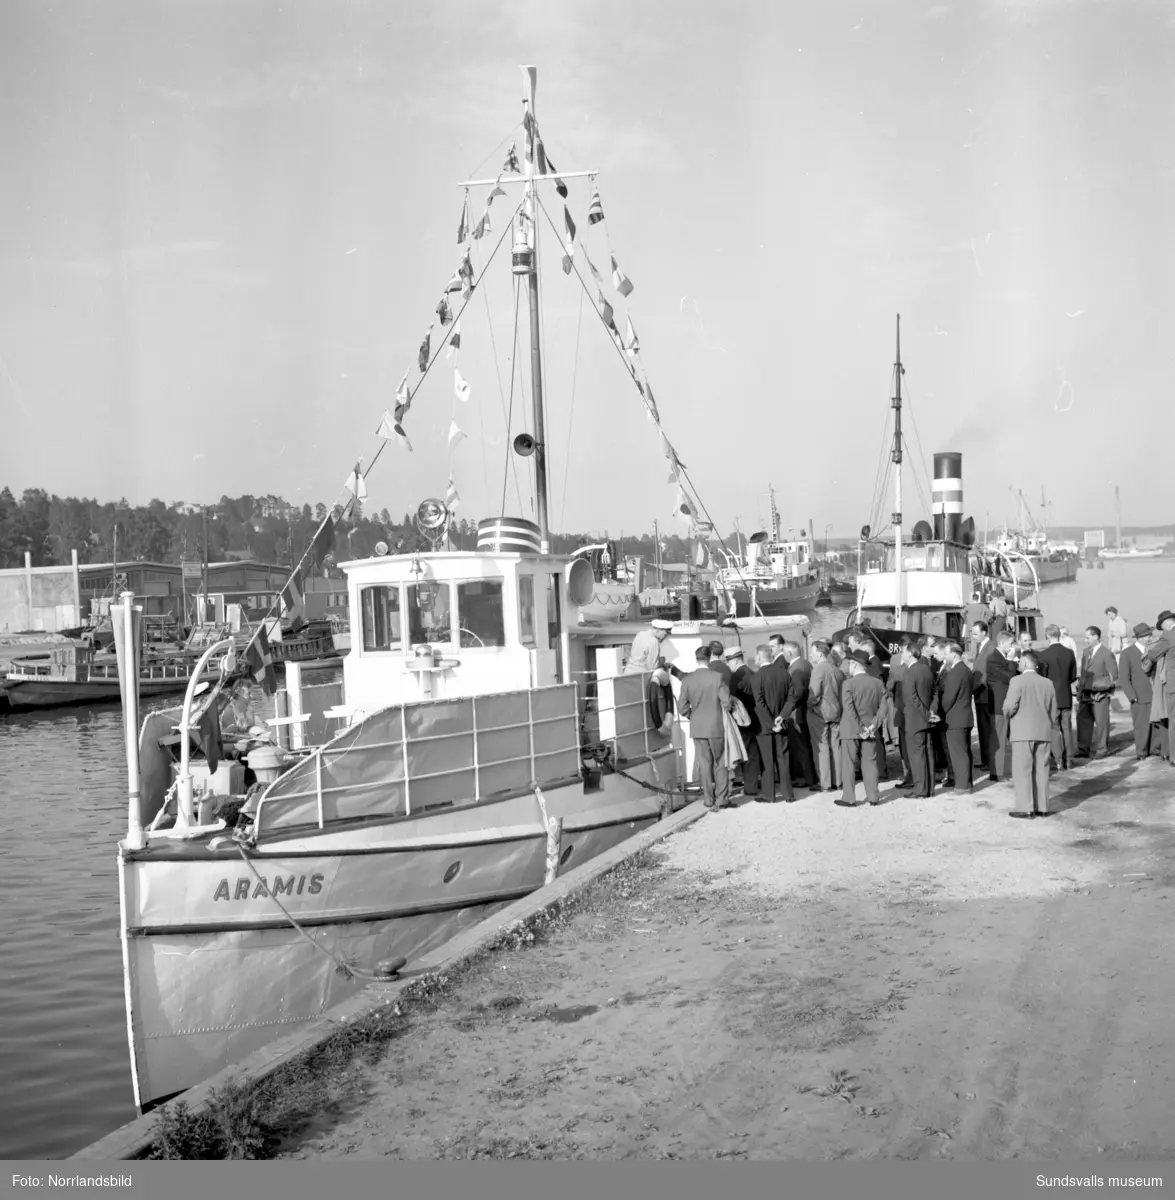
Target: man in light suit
(984, 647)
(919, 716)
(862, 698)
(1099, 677)
(824, 709)
(1136, 686)
(703, 698)
(956, 715)
(1031, 709)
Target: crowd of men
(823, 723)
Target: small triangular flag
(495, 191)
(392, 430)
(463, 225)
(422, 356)
(460, 387)
(455, 434)
(595, 208)
(654, 415)
(454, 340)
(452, 499)
(606, 312)
(560, 186)
(620, 281)
(511, 163)
(355, 484)
(631, 342)
(444, 312)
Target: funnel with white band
(947, 496)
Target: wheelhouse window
(381, 618)
(430, 613)
(482, 619)
(526, 608)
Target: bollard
(554, 848)
(666, 805)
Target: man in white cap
(644, 656)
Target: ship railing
(413, 758)
(625, 722)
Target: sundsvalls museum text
(1071, 1181)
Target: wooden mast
(896, 456)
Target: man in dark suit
(740, 687)
(918, 715)
(718, 662)
(1000, 672)
(984, 648)
(703, 698)
(799, 747)
(1058, 664)
(774, 704)
(895, 691)
(862, 698)
(933, 655)
(862, 640)
(1099, 677)
(956, 715)
(1136, 686)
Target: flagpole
(532, 295)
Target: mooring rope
(345, 969)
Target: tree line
(264, 528)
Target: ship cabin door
(550, 662)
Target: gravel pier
(926, 979)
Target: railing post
(318, 786)
(404, 752)
(530, 734)
(476, 770)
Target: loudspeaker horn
(524, 445)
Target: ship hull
(45, 692)
(210, 984)
(775, 602)
(1047, 571)
(1129, 555)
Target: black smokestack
(947, 497)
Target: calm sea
(63, 800)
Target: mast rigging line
(583, 284)
(920, 458)
(274, 609)
(881, 478)
(444, 341)
(571, 413)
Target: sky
(224, 228)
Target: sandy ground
(928, 979)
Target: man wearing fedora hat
(1159, 663)
(862, 698)
(1138, 690)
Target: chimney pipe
(947, 496)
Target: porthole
(565, 856)
(453, 871)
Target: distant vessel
(1035, 560)
(777, 578)
(1118, 550)
(934, 581)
